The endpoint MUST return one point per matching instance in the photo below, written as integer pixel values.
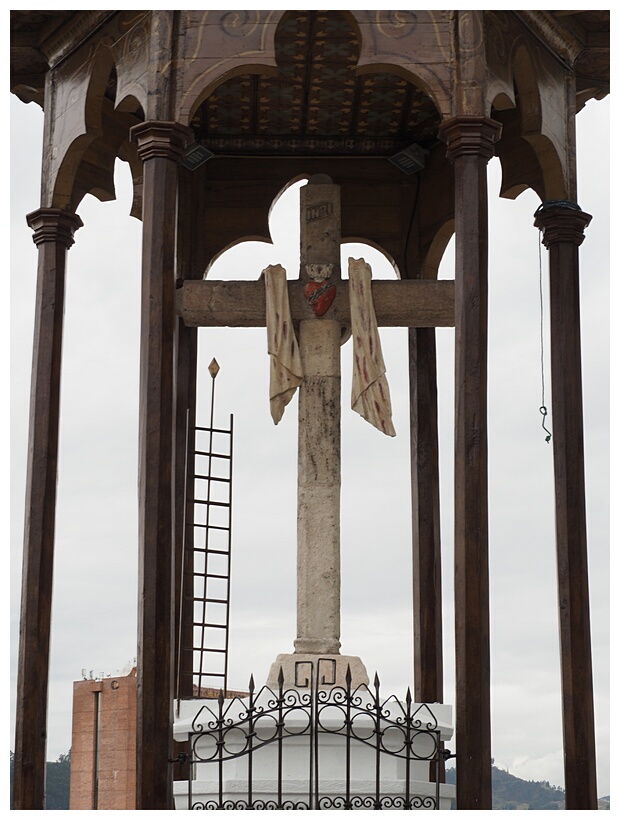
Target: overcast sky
(95, 584)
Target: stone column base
(299, 670)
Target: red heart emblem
(320, 296)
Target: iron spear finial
(214, 368)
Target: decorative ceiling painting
(317, 103)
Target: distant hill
(56, 782)
(510, 792)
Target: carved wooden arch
(241, 206)
(88, 118)
(529, 157)
(131, 53)
(247, 53)
(375, 56)
(526, 81)
(87, 166)
(362, 240)
(534, 126)
(418, 117)
(263, 61)
(436, 249)
(259, 230)
(264, 237)
(261, 238)
(401, 41)
(239, 64)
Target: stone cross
(321, 328)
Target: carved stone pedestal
(298, 671)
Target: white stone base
(299, 762)
(423, 795)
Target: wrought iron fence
(314, 747)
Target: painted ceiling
(316, 104)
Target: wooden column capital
(53, 225)
(561, 221)
(466, 135)
(159, 138)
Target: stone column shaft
(53, 234)
(563, 224)
(318, 477)
(318, 501)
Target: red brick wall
(115, 784)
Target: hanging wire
(542, 408)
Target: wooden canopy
(271, 97)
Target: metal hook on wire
(543, 410)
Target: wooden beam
(426, 540)
(563, 225)
(470, 146)
(160, 145)
(185, 433)
(405, 303)
(53, 235)
(427, 621)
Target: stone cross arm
(402, 303)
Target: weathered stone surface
(404, 303)
(318, 490)
(297, 670)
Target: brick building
(103, 745)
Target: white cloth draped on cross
(285, 371)
(370, 395)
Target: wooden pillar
(427, 622)
(470, 146)
(191, 239)
(185, 434)
(53, 235)
(563, 224)
(186, 363)
(426, 540)
(160, 146)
